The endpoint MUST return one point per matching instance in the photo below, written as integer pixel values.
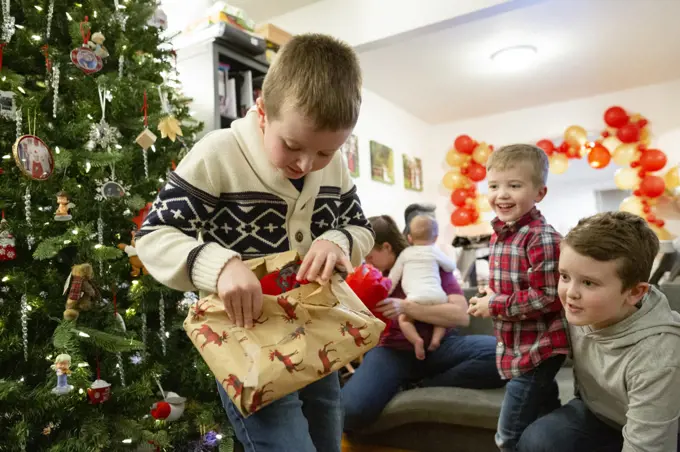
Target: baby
(418, 269)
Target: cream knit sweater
(226, 200)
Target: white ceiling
(585, 47)
(262, 10)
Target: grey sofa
(455, 419)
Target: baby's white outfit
(418, 269)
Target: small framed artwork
(382, 163)
(33, 157)
(7, 106)
(413, 173)
(350, 151)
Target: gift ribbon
(85, 33)
(145, 109)
(2, 49)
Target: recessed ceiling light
(515, 57)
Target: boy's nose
(305, 164)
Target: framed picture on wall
(413, 173)
(382, 163)
(350, 152)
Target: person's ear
(541, 194)
(387, 246)
(410, 239)
(261, 115)
(636, 293)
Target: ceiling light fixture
(515, 57)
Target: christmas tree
(91, 121)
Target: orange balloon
(456, 159)
(599, 156)
(453, 179)
(576, 136)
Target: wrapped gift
(302, 335)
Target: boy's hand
(320, 261)
(479, 305)
(240, 291)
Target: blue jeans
(526, 398)
(572, 428)
(461, 361)
(309, 420)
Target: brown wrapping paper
(301, 336)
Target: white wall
(386, 123)
(570, 195)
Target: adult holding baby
(459, 361)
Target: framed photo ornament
(33, 157)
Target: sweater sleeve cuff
(205, 264)
(339, 238)
(496, 303)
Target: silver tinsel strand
(30, 240)
(119, 16)
(161, 333)
(55, 90)
(24, 324)
(100, 240)
(121, 66)
(19, 120)
(7, 22)
(144, 330)
(50, 13)
(121, 371)
(146, 163)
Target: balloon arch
(625, 141)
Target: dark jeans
(460, 361)
(526, 398)
(572, 428)
(309, 420)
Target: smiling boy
(522, 295)
(625, 341)
(272, 182)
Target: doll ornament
(64, 205)
(62, 366)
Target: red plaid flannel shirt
(527, 314)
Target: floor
(348, 447)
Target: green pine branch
(105, 341)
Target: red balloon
(464, 144)
(660, 223)
(474, 215)
(599, 156)
(476, 172)
(564, 148)
(616, 117)
(459, 197)
(653, 160)
(652, 186)
(630, 133)
(547, 146)
(461, 217)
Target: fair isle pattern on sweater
(249, 223)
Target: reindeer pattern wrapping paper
(302, 335)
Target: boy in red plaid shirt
(522, 296)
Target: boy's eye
(564, 277)
(492, 186)
(290, 147)
(588, 283)
(515, 186)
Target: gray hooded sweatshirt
(628, 374)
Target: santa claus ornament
(7, 241)
(170, 408)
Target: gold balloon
(645, 136)
(661, 233)
(453, 179)
(625, 178)
(611, 143)
(457, 159)
(625, 154)
(632, 204)
(481, 153)
(672, 178)
(558, 163)
(576, 136)
(483, 204)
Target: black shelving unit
(198, 60)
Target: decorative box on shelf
(273, 34)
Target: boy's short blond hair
(617, 236)
(514, 154)
(318, 75)
(423, 228)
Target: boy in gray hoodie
(625, 342)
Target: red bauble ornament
(461, 217)
(464, 144)
(616, 117)
(630, 133)
(476, 172)
(652, 186)
(653, 160)
(459, 196)
(547, 146)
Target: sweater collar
(250, 138)
(502, 228)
